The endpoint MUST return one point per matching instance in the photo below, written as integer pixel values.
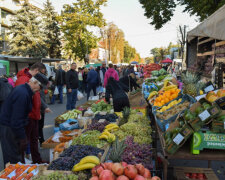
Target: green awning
(94, 65)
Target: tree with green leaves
(51, 30)
(26, 36)
(162, 11)
(76, 19)
(129, 52)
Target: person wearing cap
(35, 115)
(13, 120)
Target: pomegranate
(140, 168)
(103, 165)
(138, 177)
(93, 171)
(94, 178)
(99, 170)
(122, 178)
(117, 169)
(106, 175)
(124, 164)
(155, 178)
(108, 165)
(147, 173)
(130, 171)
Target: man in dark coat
(72, 86)
(14, 118)
(60, 80)
(92, 81)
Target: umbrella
(134, 62)
(167, 60)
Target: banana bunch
(153, 93)
(170, 87)
(107, 136)
(87, 162)
(111, 127)
(165, 83)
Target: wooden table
(184, 153)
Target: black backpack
(5, 90)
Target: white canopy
(213, 26)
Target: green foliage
(162, 11)
(51, 30)
(75, 20)
(129, 52)
(26, 35)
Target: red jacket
(23, 77)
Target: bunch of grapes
(58, 176)
(63, 163)
(95, 125)
(136, 153)
(108, 117)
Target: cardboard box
(179, 173)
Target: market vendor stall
(189, 122)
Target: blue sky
(128, 15)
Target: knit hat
(42, 79)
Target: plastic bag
(64, 90)
(83, 121)
(70, 124)
(56, 91)
(56, 136)
(79, 95)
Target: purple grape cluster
(63, 164)
(95, 125)
(137, 153)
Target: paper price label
(204, 115)
(178, 139)
(209, 88)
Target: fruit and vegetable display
(95, 125)
(72, 156)
(90, 138)
(171, 104)
(149, 68)
(108, 117)
(167, 96)
(19, 172)
(213, 96)
(70, 115)
(173, 111)
(58, 176)
(101, 106)
(121, 171)
(137, 126)
(87, 162)
(107, 133)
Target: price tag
(204, 115)
(200, 97)
(224, 124)
(209, 88)
(178, 139)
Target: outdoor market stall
(188, 121)
(205, 48)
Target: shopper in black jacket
(118, 91)
(60, 80)
(129, 82)
(72, 86)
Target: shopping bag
(56, 91)
(100, 89)
(64, 90)
(79, 95)
(70, 124)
